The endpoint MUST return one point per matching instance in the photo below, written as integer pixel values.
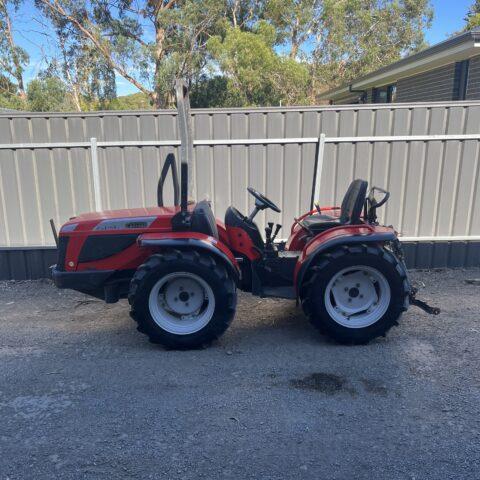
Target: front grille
(62, 252)
(98, 247)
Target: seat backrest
(353, 201)
(233, 218)
(203, 220)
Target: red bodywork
(146, 228)
(130, 258)
(345, 232)
(299, 237)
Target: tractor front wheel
(355, 294)
(182, 299)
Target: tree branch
(55, 7)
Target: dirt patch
(374, 386)
(322, 382)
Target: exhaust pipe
(54, 231)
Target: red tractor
(180, 267)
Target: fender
(193, 240)
(344, 235)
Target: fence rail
(426, 155)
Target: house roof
(454, 49)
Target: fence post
(97, 196)
(317, 178)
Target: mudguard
(344, 235)
(193, 240)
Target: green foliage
(149, 43)
(135, 101)
(210, 92)
(358, 36)
(9, 97)
(232, 52)
(295, 21)
(255, 73)
(473, 16)
(48, 95)
(13, 58)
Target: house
(447, 71)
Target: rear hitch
(422, 305)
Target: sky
(449, 18)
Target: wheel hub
(357, 296)
(354, 293)
(184, 296)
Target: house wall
(473, 85)
(437, 85)
(351, 98)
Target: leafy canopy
(233, 52)
(255, 73)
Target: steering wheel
(262, 201)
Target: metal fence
(427, 155)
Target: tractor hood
(127, 219)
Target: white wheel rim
(181, 303)
(357, 297)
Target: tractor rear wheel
(356, 293)
(182, 299)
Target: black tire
(313, 291)
(201, 264)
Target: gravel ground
(83, 395)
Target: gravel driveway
(83, 395)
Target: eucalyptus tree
(148, 43)
(13, 58)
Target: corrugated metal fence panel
(434, 184)
(34, 263)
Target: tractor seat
(203, 220)
(319, 223)
(350, 211)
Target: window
(384, 94)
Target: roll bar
(186, 147)
(169, 164)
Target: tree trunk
(294, 40)
(158, 97)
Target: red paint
(298, 239)
(86, 222)
(345, 231)
(240, 242)
(299, 236)
(187, 235)
(222, 232)
(231, 239)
